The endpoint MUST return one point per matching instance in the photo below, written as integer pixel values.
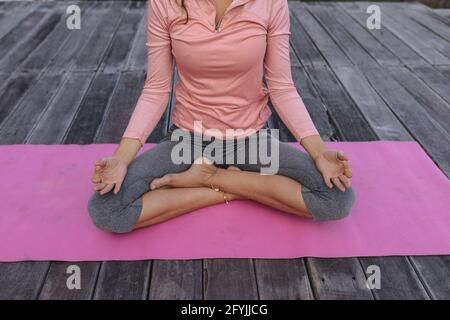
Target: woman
(222, 49)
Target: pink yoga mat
(402, 208)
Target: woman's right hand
(109, 173)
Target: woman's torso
(220, 72)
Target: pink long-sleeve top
(220, 69)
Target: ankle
(232, 196)
(210, 172)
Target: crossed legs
(156, 190)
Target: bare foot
(198, 175)
(232, 196)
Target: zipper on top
(217, 27)
(232, 5)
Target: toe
(161, 182)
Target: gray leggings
(120, 212)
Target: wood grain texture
(435, 272)
(123, 280)
(282, 279)
(384, 35)
(399, 280)
(176, 280)
(436, 107)
(424, 129)
(100, 40)
(409, 36)
(342, 279)
(55, 283)
(225, 279)
(22, 280)
(322, 40)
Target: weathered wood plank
(18, 124)
(89, 116)
(410, 38)
(282, 279)
(3, 79)
(424, 129)
(429, 21)
(21, 51)
(293, 57)
(119, 280)
(56, 119)
(337, 103)
(445, 70)
(116, 56)
(55, 284)
(309, 54)
(383, 35)
(14, 91)
(137, 59)
(427, 37)
(99, 41)
(229, 279)
(22, 280)
(341, 279)
(66, 57)
(176, 280)
(330, 50)
(122, 104)
(434, 105)
(434, 79)
(435, 272)
(309, 95)
(17, 13)
(345, 41)
(304, 52)
(345, 115)
(375, 111)
(313, 103)
(377, 50)
(50, 46)
(16, 36)
(398, 279)
(445, 13)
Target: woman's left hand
(334, 167)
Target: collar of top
(208, 4)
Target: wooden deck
(62, 87)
